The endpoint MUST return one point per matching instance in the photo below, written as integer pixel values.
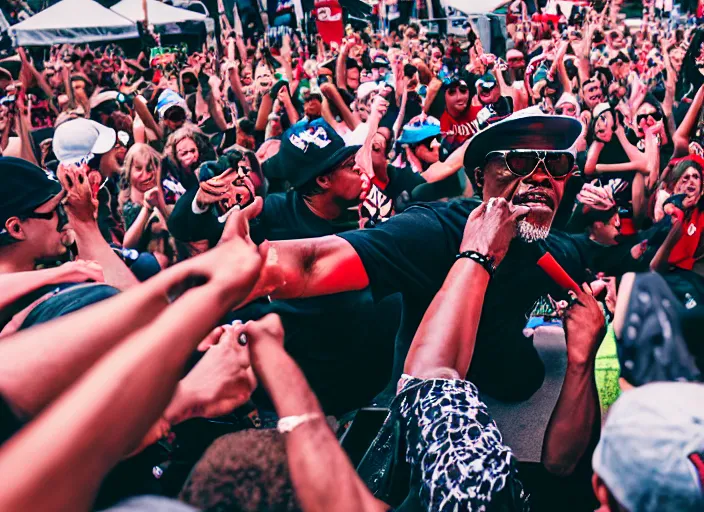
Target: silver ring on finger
(242, 339)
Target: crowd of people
(282, 273)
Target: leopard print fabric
(457, 448)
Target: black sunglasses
(561, 110)
(463, 89)
(657, 116)
(523, 162)
(59, 210)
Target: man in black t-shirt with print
(526, 159)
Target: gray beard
(530, 232)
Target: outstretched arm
(444, 342)
(111, 398)
(681, 136)
(441, 170)
(322, 475)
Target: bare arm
(17, 284)
(398, 124)
(237, 88)
(38, 364)
(681, 136)
(350, 118)
(24, 150)
(577, 412)
(214, 105)
(441, 170)
(314, 266)
(433, 89)
(111, 395)
(80, 208)
(140, 106)
(322, 475)
(285, 98)
(264, 110)
(659, 262)
(341, 67)
(135, 231)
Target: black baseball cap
(310, 149)
(23, 187)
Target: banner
(328, 18)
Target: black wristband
(485, 261)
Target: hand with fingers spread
(80, 204)
(585, 326)
(214, 190)
(596, 197)
(222, 380)
(491, 227)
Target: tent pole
(145, 9)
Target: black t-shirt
(401, 179)
(413, 252)
(331, 337)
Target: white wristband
(289, 423)
(197, 209)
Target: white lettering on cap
(319, 138)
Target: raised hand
(154, 198)
(585, 326)
(596, 197)
(491, 227)
(223, 379)
(80, 204)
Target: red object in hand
(556, 272)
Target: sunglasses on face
(484, 89)
(657, 116)
(453, 89)
(524, 162)
(59, 210)
(565, 110)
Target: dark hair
(246, 472)
(678, 170)
(311, 188)
(690, 77)
(592, 125)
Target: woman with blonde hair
(143, 203)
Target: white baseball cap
(650, 455)
(79, 138)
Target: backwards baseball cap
(82, 138)
(380, 61)
(309, 150)
(529, 128)
(650, 455)
(169, 99)
(23, 187)
(487, 80)
(419, 129)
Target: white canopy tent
(475, 6)
(73, 21)
(159, 14)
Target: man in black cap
(524, 159)
(39, 220)
(326, 182)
